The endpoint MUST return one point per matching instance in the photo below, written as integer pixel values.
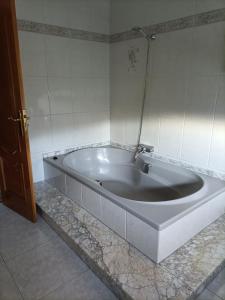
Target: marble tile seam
(12, 277)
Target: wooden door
(16, 183)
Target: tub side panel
(178, 233)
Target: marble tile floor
(36, 264)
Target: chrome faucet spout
(143, 149)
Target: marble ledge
(129, 273)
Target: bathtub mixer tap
(142, 148)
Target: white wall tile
(151, 122)
(209, 48)
(58, 51)
(99, 59)
(32, 10)
(55, 177)
(114, 217)
(80, 15)
(37, 167)
(172, 108)
(90, 94)
(91, 201)
(206, 5)
(92, 127)
(128, 58)
(33, 50)
(126, 98)
(217, 157)
(100, 15)
(57, 12)
(40, 134)
(65, 76)
(80, 58)
(183, 84)
(73, 189)
(202, 93)
(117, 126)
(62, 131)
(172, 53)
(60, 95)
(36, 95)
(142, 236)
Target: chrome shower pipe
(148, 38)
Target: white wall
(66, 80)
(185, 110)
(127, 82)
(90, 15)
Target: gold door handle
(23, 120)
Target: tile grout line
(13, 279)
(26, 251)
(214, 293)
(213, 120)
(65, 283)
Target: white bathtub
(156, 212)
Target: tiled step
(129, 273)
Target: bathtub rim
(92, 184)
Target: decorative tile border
(129, 273)
(209, 17)
(25, 25)
(212, 173)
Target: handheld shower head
(142, 31)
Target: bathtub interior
(120, 174)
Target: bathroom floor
(36, 264)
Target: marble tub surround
(130, 274)
(30, 26)
(165, 225)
